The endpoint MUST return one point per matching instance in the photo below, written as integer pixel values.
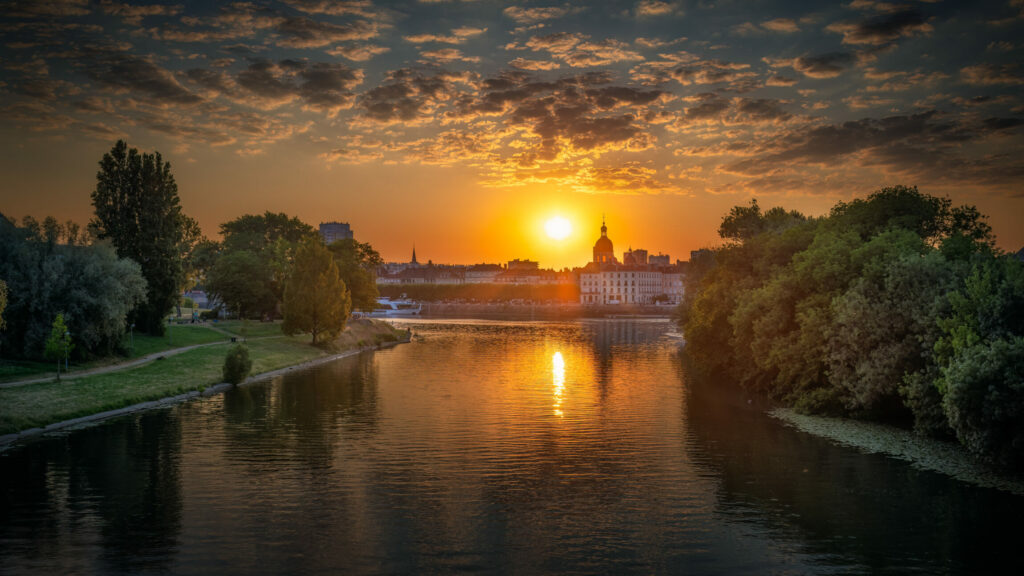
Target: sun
(558, 228)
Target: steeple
(414, 255)
(604, 229)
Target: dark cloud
(883, 28)
(920, 142)
(991, 74)
(711, 107)
(299, 32)
(319, 85)
(140, 77)
(827, 65)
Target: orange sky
(460, 127)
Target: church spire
(414, 254)
(604, 229)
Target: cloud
(779, 81)
(47, 8)
(408, 95)
(991, 75)
(447, 55)
(654, 8)
(526, 64)
(578, 51)
(860, 102)
(709, 107)
(457, 36)
(321, 86)
(782, 25)
(827, 65)
(358, 52)
(126, 73)
(533, 15)
(133, 14)
(883, 28)
(298, 32)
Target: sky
(462, 126)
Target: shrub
(985, 398)
(237, 364)
(209, 314)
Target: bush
(237, 364)
(209, 315)
(985, 398)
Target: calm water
(486, 447)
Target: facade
(333, 231)
(639, 280)
(482, 273)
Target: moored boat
(389, 308)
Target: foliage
(90, 285)
(239, 280)
(356, 264)
(58, 344)
(237, 364)
(3, 303)
(316, 300)
(137, 208)
(894, 307)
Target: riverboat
(388, 308)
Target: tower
(604, 251)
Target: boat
(398, 307)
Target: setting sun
(558, 228)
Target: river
(496, 447)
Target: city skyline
(463, 127)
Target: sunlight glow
(558, 379)
(558, 228)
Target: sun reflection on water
(558, 379)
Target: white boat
(388, 308)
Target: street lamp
(67, 339)
(131, 338)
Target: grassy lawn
(177, 336)
(40, 404)
(180, 336)
(250, 328)
(34, 405)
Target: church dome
(604, 252)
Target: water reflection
(105, 499)
(484, 447)
(558, 380)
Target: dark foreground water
(486, 447)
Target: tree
(356, 263)
(93, 288)
(137, 207)
(316, 300)
(238, 279)
(3, 302)
(58, 345)
(237, 364)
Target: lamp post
(169, 339)
(131, 338)
(67, 339)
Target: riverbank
(929, 454)
(47, 406)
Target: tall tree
(137, 207)
(356, 263)
(58, 345)
(238, 279)
(316, 300)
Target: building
(637, 281)
(604, 252)
(636, 257)
(334, 231)
(518, 264)
(659, 260)
(482, 273)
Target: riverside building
(635, 281)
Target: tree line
(131, 263)
(896, 307)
